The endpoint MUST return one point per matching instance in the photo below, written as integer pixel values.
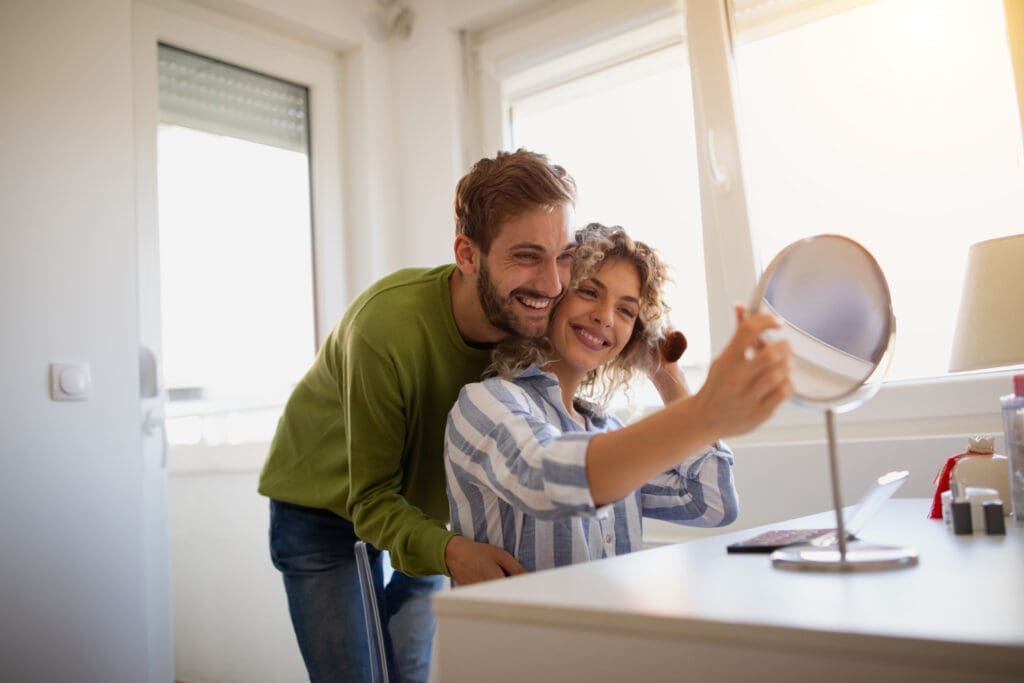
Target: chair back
(371, 616)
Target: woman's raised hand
(748, 380)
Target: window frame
(571, 40)
(210, 34)
(226, 39)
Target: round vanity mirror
(834, 303)
(836, 312)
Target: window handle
(719, 175)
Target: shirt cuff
(565, 473)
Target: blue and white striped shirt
(516, 467)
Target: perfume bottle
(1013, 430)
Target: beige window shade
(204, 94)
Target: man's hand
(471, 562)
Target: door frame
(217, 36)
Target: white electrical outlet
(70, 381)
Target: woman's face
(594, 321)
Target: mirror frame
(870, 385)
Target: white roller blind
(204, 94)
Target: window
(902, 132)
(626, 135)
(236, 253)
(891, 121)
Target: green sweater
(362, 434)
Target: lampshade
(990, 325)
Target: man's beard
(500, 312)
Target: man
(358, 452)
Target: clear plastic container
(1013, 429)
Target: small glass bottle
(1013, 430)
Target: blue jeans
(313, 549)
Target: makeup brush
(673, 346)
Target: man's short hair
(501, 189)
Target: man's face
(526, 271)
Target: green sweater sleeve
(377, 450)
(362, 434)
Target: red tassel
(942, 485)
(942, 480)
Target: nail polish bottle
(994, 524)
(961, 508)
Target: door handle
(153, 424)
(149, 373)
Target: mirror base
(859, 558)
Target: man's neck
(470, 320)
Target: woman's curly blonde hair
(596, 244)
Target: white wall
(333, 24)
(424, 131)
(427, 91)
(230, 612)
(73, 597)
(417, 146)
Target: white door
(228, 310)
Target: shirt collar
(547, 384)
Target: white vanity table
(692, 612)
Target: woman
(537, 469)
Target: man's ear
(467, 255)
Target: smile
(590, 339)
(530, 302)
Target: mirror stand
(837, 557)
(835, 310)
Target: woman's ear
(467, 255)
